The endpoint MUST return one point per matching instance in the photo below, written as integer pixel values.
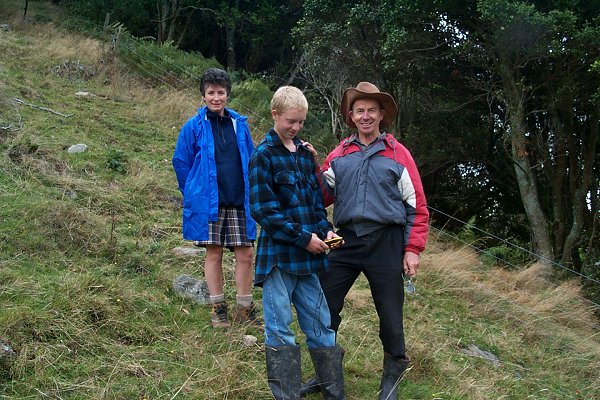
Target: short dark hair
(215, 76)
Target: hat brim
(387, 103)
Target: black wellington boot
(330, 374)
(312, 384)
(393, 371)
(283, 371)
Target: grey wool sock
(217, 299)
(244, 301)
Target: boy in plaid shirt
(285, 200)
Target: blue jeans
(280, 290)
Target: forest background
(499, 100)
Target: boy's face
(215, 97)
(288, 123)
(367, 115)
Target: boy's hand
(316, 245)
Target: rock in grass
(191, 288)
(250, 340)
(77, 148)
(188, 251)
(475, 351)
(7, 354)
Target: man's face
(367, 114)
(288, 123)
(215, 97)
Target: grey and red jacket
(375, 186)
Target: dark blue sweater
(227, 157)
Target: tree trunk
(529, 192)
(163, 10)
(334, 115)
(513, 96)
(525, 175)
(230, 42)
(172, 18)
(557, 173)
(185, 28)
(583, 186)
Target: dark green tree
(240, 34)
(539, 63)
(498, 101)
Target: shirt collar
(213, 115)
(354, 139)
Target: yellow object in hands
(333, 242)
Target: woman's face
(215, 97)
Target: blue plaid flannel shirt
(285, 200)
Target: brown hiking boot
(218, 315)
(247, 315)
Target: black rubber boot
(312, 385)
(393, 371)
(283, 371)
(330, 373)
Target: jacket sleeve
(249, 142)
(185, 153)
(326, 176)
(324, 225)
(417, 214)
(265, 208)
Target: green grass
(86, 265)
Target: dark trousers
(379, 256)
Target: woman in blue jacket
(211, 164)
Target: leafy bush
(252, 97)
(507, 255)
(116, 160)
(160, 64)
(510, 253)
(317, 128)
(163, 63)
(590, 289)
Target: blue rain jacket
(195, 167)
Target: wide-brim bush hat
(366, 90)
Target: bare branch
(200, 9)
(42, 108)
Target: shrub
(163, 63)
(116, 160)
(252, 97)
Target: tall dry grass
(527, 309)
(55, 43)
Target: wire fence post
(106, 20)
(25, 11)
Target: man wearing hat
(381, 212)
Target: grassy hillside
(87, 261)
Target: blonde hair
(288, 98)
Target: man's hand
(310, 148)
(411, 263)
(333, 235)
